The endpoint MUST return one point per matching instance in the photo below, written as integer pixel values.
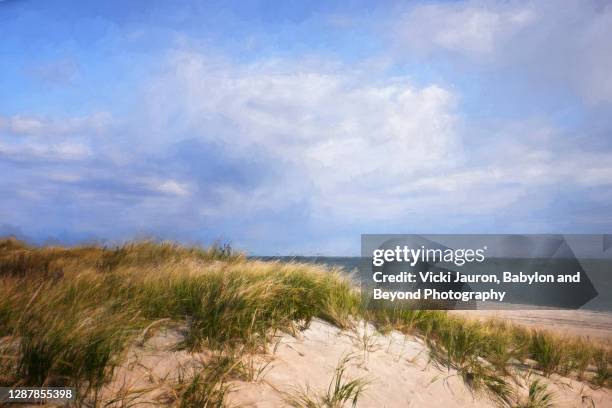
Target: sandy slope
(396, 365)
(398, 368)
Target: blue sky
(293, 127)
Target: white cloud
(27, 137)
(24, 125)
(172, 187)
(346, 146)
(332, 132)
(54, 151)
(470, 28)
(357, 148)
(563, 43)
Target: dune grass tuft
(537, 395)
(545, 350)
(462, 346)
(602, 371)
(340, 392)
(206, 386)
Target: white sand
(397, 366)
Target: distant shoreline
(589, 324)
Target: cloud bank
(298, 152)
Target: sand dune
(397, 368)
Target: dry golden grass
(67, 316)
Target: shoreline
(587, 324)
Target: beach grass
(340, 392)
(538, 395)
(68, 316)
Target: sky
(292, 127)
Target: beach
(588, 324)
